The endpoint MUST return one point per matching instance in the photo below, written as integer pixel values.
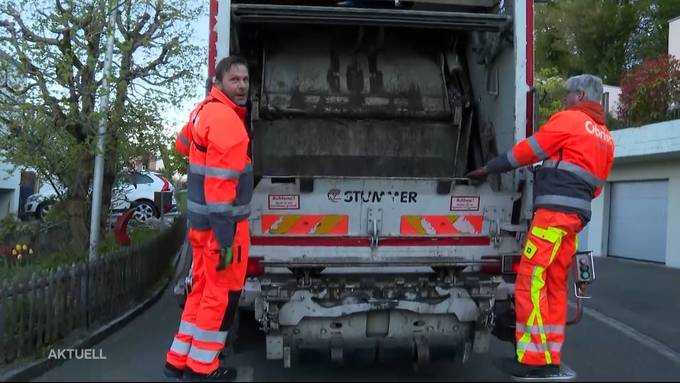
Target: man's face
(574, 97)
(235, 84)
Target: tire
(42, 210)
(144, 211)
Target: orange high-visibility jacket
(220, 177)
(184, 137)
(577, 152)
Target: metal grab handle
(374, 234)
(580, 291)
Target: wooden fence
(39, 311)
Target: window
(140, 179)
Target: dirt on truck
(365, 116)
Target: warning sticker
(284, 202)
(464, 203)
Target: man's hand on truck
(478, 176)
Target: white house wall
(674, 37)
(647, 153)
(9, 189)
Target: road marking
(633, 333)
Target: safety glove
(226, 255)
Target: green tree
(650, 90)
(590, 36)
(173, 162)
(551, 93)
(57, 48)
(651, 39)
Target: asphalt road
(614, 341)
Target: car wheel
(144, 211)
(42, 210)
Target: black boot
(537, 372)
(521, 371)
(222, 374)
(172, 372)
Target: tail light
(166, 184)
(491, 265)
(255, 267)
(506, 264)
(511, 264)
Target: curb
(41, 366)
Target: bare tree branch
(25, 31)
(151, 66)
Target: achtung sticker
(464, 203)
(284, 202)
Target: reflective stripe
(228, 208)
(220, 207)
(214, 172)
(186, 328)
(537, 284)
(240, 211)
(537, 148)
(560, 200)
(550, 329)
(537, 347)
(180, 347)
(203, 356)
(197, 208)
(512, 160)
(210, 336)
(183, 139)
(577, 170)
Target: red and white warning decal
(284, 202)
(464, 203)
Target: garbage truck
(366, 238)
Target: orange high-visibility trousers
(541, 287)
(211, 306)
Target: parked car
(134, 189)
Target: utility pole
(95, 220)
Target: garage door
(637, 220)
